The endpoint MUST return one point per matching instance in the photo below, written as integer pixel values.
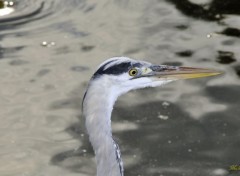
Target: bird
(114, 77)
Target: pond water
(50, 49)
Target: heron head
(122, 74)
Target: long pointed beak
(175, 73)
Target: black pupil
(133, 72)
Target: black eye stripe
(117, 69)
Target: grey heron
(113, 78)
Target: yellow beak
(175, 73)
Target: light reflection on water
(48, 51)
(6, 8)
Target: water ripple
(21, 16)
(38, 15)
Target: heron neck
(97, 109)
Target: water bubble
(44, 43)
(169, 141)
(163, 117)
(11, 3)
(8, 3)
(84, 150)
(219, 172)
(48, 44)
(189, 150)
(218, 16)
(165, 104)
(209, 35)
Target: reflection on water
(225, 57)
(48, 51)
(231, 32)
(213, 10)
(5, 10)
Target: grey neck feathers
(97, 109)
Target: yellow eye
(133, 72)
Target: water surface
(50, 49)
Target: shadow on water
(9, 52)
(213, 11)
(177, 146)
(233, 32)
(225, 57)
(237, 70)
